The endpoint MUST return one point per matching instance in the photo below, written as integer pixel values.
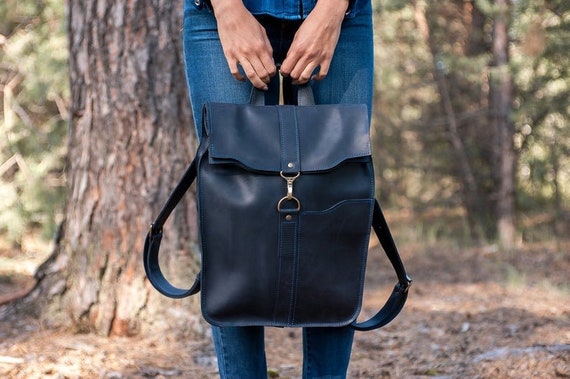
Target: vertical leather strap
(286, 289)
(289, 133)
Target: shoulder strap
(154, 236)
(399, 295)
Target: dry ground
(472, 313)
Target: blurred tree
(130, 138)
(501, 106)
(542, 68)
(472, 111)
(470, 192)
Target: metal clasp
(289, 196)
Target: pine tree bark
(131, 136)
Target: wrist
(223, 6)
(334, 7)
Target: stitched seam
(278, 282)
(281, 136)
(329, 165)
(297, 141)
(295, 280)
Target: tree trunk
(131, 137)
(470, 191)
(501, 93)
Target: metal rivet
(288, 217)
(290, 164)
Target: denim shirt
(285, 9)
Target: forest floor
(472, 313)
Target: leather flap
(250, 135)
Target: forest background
(470, 135)
(420, 166)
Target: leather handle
(304, 96)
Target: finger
(323, 71)
(305, 74)
(261, 70)
(287, 65)
(269, 66)
(261, 59)
(297, 70)
(234, 70)
(252, 75)
(297, 58)
(267, 59)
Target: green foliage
(34, 84)
(416, 165)
(542, 65)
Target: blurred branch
(8, 90)
(18, 160)
(61, 106)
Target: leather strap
(399, 295)
(154, 274)
(154, 236)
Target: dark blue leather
(309, 263)
(285, 204)
(323, 136)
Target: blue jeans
(241, 350)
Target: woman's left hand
(314, 43)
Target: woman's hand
(244, 42)
(314, 43)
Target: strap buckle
(289, 196)
(152, 232)
(405, 286)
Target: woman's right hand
(244, 42)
